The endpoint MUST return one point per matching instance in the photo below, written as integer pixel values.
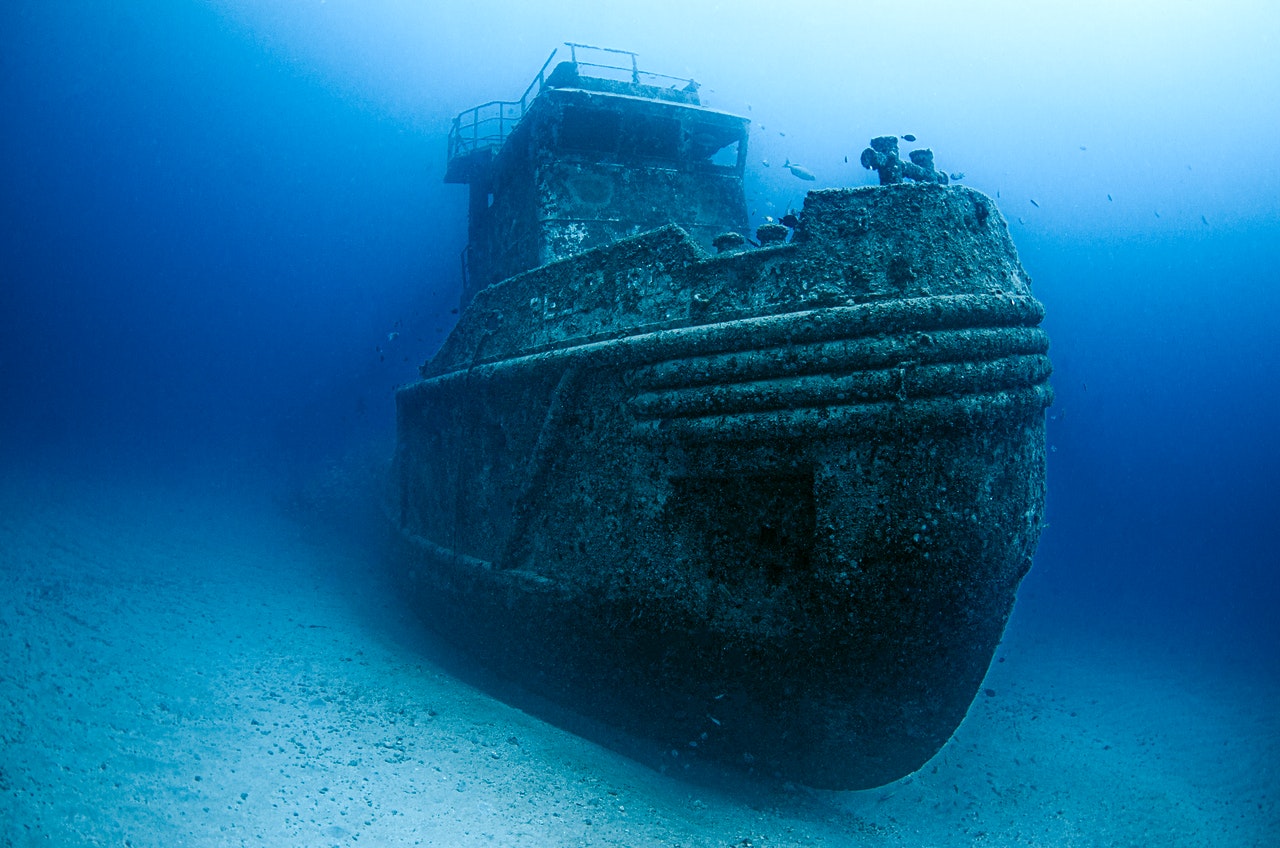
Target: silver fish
(800, 171)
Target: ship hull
(769, 509)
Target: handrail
(492, 130)
(635, 71)
(487, 126)
(573, 57)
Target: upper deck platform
(479, 132)
(592, 152)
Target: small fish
(1020, 221)
(800, 171)
(1204, 220)
(1108, 197)
(764, 162)
(846, 160)
(1082, 147)
(392, 336)
(1033, 202)
(1157, 211)
(956, 176)
(908, 137)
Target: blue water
(225, 240)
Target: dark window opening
(652, 137)
(726, 157)
(590, 129)
(714, 144)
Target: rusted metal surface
(769, 507)
(593, 160)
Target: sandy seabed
(191, 665)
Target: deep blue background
(205, 250)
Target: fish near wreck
(764, 507)
(800, 171)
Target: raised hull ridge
(769, 507)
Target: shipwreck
(765, 502)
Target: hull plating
(770, 508)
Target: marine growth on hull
(764, 501)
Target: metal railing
(636, 76)
(489, 124)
